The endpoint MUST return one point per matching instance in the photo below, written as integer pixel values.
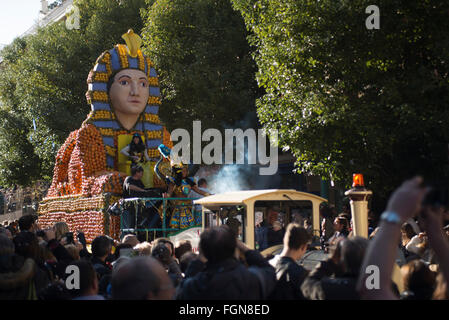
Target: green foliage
(43, 78)
(346, 99)
(206, 71)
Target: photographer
(218, 275)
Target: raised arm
(403, 204)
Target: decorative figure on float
(123, 91)
(178, 177)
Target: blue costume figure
(179, 181)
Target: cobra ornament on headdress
(110, 62)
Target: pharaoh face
(129, 94)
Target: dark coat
(290, 277)
(17, 279)
(319, 285)
(228, 280)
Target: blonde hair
(61, 228)
(143, 248)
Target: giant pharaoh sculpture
(89, 171)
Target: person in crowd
(167, 243)
(141, 278)
(27, 246)
(341, 231)
(327, 227)
(404, 203)
(407, 233)
(185, 260)
(336, 277)
(419, 281)
(73, 250)
(289, 274)
(63, 257)
(143, 248)
(419, 246)
(28, 223)
(261, 231)
(217, 274)
(16, 273)
(182, 247)
(88, 282)
(131, 239)
(6, 232)
(61, 230)
(161, 253)
(275, 234)
(101, 248)
(127, 250)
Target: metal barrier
(166, 205)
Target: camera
(69, 238)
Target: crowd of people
(38, 264)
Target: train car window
(272, 217)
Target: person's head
(296, 239)
(185, 260)
(61, 228)
(182, 247)
(418, 279)
(119, 247)
(325, 210)
(341, 224)
(130, 239)
(351, 253)
(167, 243)
(27, 245)
(137, 172)
(277, 226)
(136, 140)
(202, 183)
(407, 231)
(88, 281)
(73, 251)
(143, 248)
(28, 223)
(141, 278)
(218, 244)
(101, 247)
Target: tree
(204, 63)
(43, 81)
(346, 99)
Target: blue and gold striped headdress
(110, 62)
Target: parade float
(89, 168)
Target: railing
(166, 204)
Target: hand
(406, 200)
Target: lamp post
(359, 197)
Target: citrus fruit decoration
(86, 177)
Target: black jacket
(325, 283)
(228, 280)
(290, 277)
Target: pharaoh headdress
(102, 116)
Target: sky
(16, 17)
